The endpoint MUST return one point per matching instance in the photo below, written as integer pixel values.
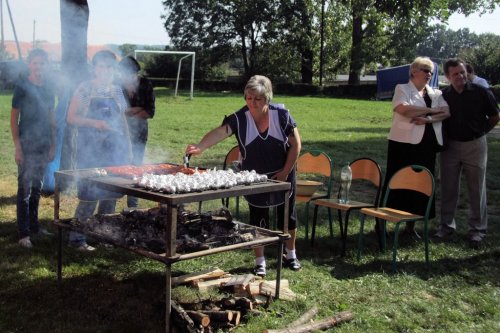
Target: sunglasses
(426, 71)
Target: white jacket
(402, 129)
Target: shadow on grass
(477, 266)
(90, 303)
(8, 201)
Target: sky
(139, 22)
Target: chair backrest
(317, 163)
(232, 155)
(415, 178)
(369, 170)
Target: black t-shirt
(469, 112)
(36, 104)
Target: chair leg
(426, 240)
(313, 229)
(395, 246)
(341, 224)
(380, 230)
(330, 221)
(360, 235)
(344, 236)
(306, 219)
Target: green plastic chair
(415, 178)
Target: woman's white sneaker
(25, 242)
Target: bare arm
(14, 128)
(211, 138)
(412, 111)
(435, 117)
(75, 119)
(292, 155)
(492, 122)
(138, 112)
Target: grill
(124, 184)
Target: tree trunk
(356, 63)
(306, 68)
(74, 25)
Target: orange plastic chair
(364, 170)
(319, 165)
(415, 178)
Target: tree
(74, 25)
(485, 57)
(404, 13)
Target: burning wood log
(198, 276)
(199, 318)
(318, 325)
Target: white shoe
(25, 242)
(44, 232)
(85, 248)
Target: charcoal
(146, 229)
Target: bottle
(345, 184)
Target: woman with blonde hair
(269, 143)
(415, 136)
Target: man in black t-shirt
(474, 112)
(33, 133)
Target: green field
(112, 290)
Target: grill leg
(168, 294)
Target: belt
(468, 138)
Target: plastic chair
(414, 178)
(319, 165)
(232, 156)
(364, 170)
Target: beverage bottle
(345, 184)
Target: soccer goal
(186, 54)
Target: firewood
(318, 325)
(306, 317)
(181, 318)
(261, 300)
(219, 316)
(236, 318)
(241, 280)
(269, 288)
(253, 288)
(202, 285)
(199, 318)
(196, 276)
(238, 303)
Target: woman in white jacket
(415, 136)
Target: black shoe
(293, 264)
(474, 244)
(259, 270)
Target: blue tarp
(388, 78)
(60, 116)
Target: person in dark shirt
(474, 112)
(140, 96)
(270, 144)
(33, 132)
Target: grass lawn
(111, 290)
